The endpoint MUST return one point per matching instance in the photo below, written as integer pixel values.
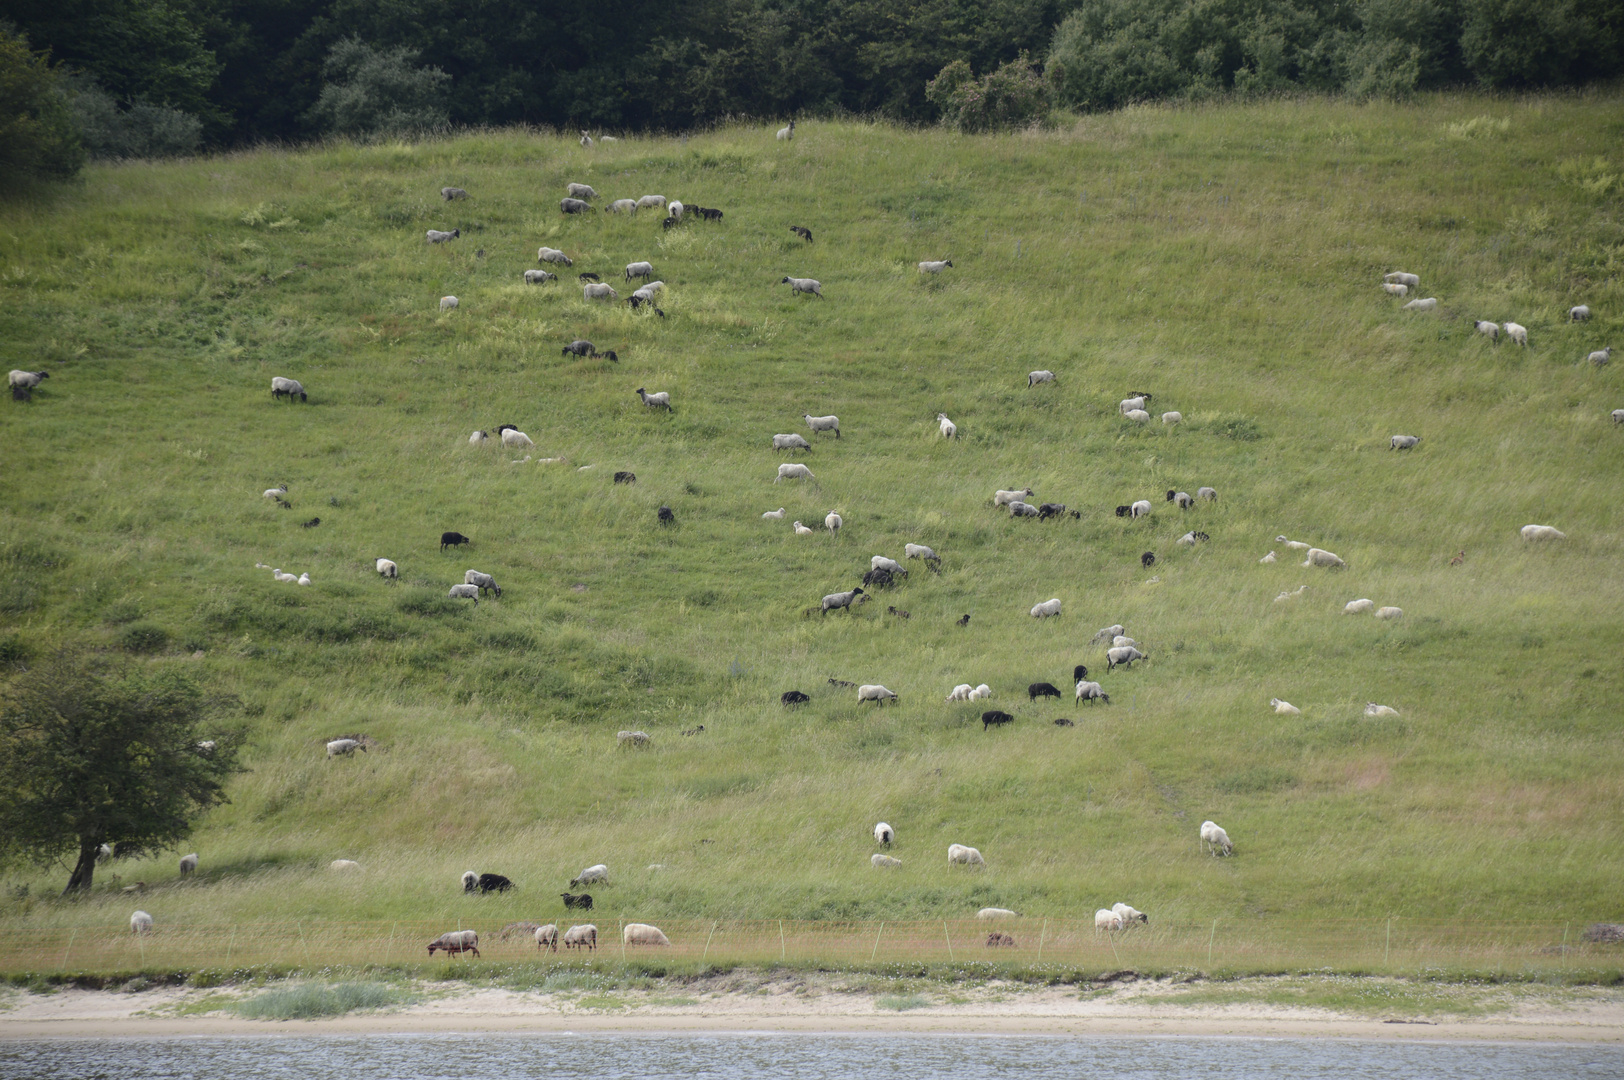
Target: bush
(369, 92)
(37, 135)
(139, 130)
(1013, 96)
(144, 637)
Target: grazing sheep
(1091, 692)
(596, 873)
(465, 592)
(793, 697)
(958, 854)
(1061, 721)
(1578, 314)
(995, 718)
(624, 477)
(1601, 356)
(822, 423)
(1035, 377)
(803, 233)
(648, 201)
(1172, 418)
(1285, 708)
(1022, 509)
(1487, 329)
(1373, 709)
(345, 747)
(666, 516)
(981, 692)
(835, 601)
(880, 562)
(580, 191)
(1429, 304)
(874, 693)
(884, 835)
(949, 429)
(644, 270)
(1216, 839)
(1618, 416)
(643, 934)
(794, 470)
(1129, 404)
(804, 285)
(28, 380)
(637, 739)
(291, 387)
(1004, 498)
(929, 267)
(1046, 609)
(622, 206)
(1358, 607)
(785, 134)
(455, 942)
(1318, 557)
(883, 862)
(1053, 510)
(1123, 639)
(1079, 672)
(1517, 333)
(1106, 919)
(188, 863)
(1138, 416)
(1390, 613)
(583, 901)
(553, 255)
(1403, 442)
(996, 913)
(833, 521)
(1192, 538)
(482, 582)
(1542, 532)
(435, 236)
(920, 551)
(1140, 508)
(1041, 689)
(674, 210)
(448, 303)
(996, 940)
(1401, 278)
(1121, 656)
(479, 438)
(449, 193)
(538, 277)
(791, 441)
(1128, 915)
(573, 206)
(960, 692)
(1182, 498)
(452, 539)
(514, 437)
(547, 938)
(1207, 493)
(581, 937)
(1392, 289)
(599, 292)
(140, 923)
(276, 492)
(662, 400)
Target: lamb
(833, 521)
(1318, 557)
(577, 900)
(599, 292)
(1035, 377)
(482, 582)
(981, 693)
(188, 863)
(1207, 493)
(553, 255)
(1403, 442)
(666, 516)
(1138, 416)
(662, 400)
(538, 277)
(643, 934)
(1129, 915)
(1601, 356)
(435, 236)
(822, 423)
(140, 923)
(1172, 418)
(448, 303)
(1041, 689)
(1373, 709)
(998, 941)
(644, 270)
(1192, 538)
(573, 206)
(1182, 498)
(1215, 838)
(1579, 314)
(835, 601)
(512, 436)
(648, 201)
(1004, 498)
(1358, 607)
(875, 693)
(996, 913)
(801, 530)
(1269, 558)
(883, 862)
(884, 835)
(790, 442)
(929, 267)
(1122, 655)
(291, 387)
(452, 539)
(580, 191)
(449, 193)
(623, 206)
(949, 429)
(1106, 919)
(345, 747)
(774, 515)
(794, 470)
(465, 592)
(547, 938)
(920, 551)
(1123, 639)
(958, 854)
(1046, 609)
(624, 477)
(286, 579)
(1091, 692)
(1487, 329)
(1390, 613)
(1517, 333)
(1295, 545)
(581, 937)
(806, 285)
(1402, 278)
(28, 380)
(1395, 289)
(343, 865)
(785, 134)
(1542, 532)
(1285, 708)
(638, 739)
(455, 942)
(1429, 304)
(304, 579)
(960, 692)
(595, 873)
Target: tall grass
(1223, 258)
(312, 1000)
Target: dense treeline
(247, 70)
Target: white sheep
(822, 423)
(547, 937)
(304, 579)
(949, 429)
(276, 492)
(1035, 377)
(1618, 416)
(591, 875)
(1487, 329)
(981, 693)
(1004, 498)
(597, 290)
(883, 862)
(1402, 278)
(1023, 509)
(1215, 838)
(1373, 709)
(884, 834)
(1295, 545)
(1291, 595)
(479, 438)
(1358, 607)
(1091, 692)
(1269, 558)
(1140, 508)
(1121, 656)
(875, 693)
(623, 206)
(786, 133)
(1318, 557)
(1601, 356)
(387, 568)
(1138, 416)
(958, 854)
(1172, 418)
(791, 441)
(553, 255)
(293, 388)
(1107, 633)
(1046, 609)
(140, 923)
(1389, 613)
(1517, 333)
(1129, 915)
(1542, 532)
(286, 579)
(960, 692)
(996, 913)
(1285, 708)
(188, 863)
(810, 286)
(512, 436)
(343, 865)
(586, 144)
(644, 270)
(584, 936)
(836, 601)
(774, 515)
(26, 380)
(1207, 493)
(880, 562)
(448, 303)
(1403, 442)
(1127, 405)
(645, 294)
(794, 470)
(482, 582)
(435, 236)
(1429, 304)
(801, 530)
(1395, 290)
(1581, 313)
(580, 191)
(920, 551)
(1191, 538)
(648, 201)
(465, 592)
(538, 277)
(674, 210)
(1106, 919)
(643, 934)
(661, 400)
(1120, 640)
(833, 521)
(931, 267)
(344, 747)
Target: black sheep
(880, 578)
(1148, 559)
(1063, 722)
(488, 883)
(1123, 511)
(793, 697)
(1049, 510)
(994, 717)
(590, 276)
(700, 730)
(577, 900)
(1041, 689)
(963, 620)
(452, 539)
(666, 516)
(1079, 673)
(804, 234)
(625, 478)
(311, 524)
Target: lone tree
(93, 757)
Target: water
(801, 1057)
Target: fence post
(707, 943)
(1209, 945)
(1041, 935)
(231, 945)
(949, 937)
(69, 949)
(782, 949)
(875, 951)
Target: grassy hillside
(1225, 259)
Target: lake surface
(801, 1057)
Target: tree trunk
(86, 870)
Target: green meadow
(1226, 259)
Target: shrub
(140, 129)
(144, 637)
(37, 135)
(1013, 96)
(372, 92)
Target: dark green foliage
(143, 130)
(1013, 96)
(379, 92)
(144, 637)
(37, 137)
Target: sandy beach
(829, 1004)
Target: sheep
(583, 901)
(1106, 919)
(801, 530)
(1396, 289)
(581, 937)
(637, 739)
(648, 201)
(880, 562)
(1358, 607)
(595, 873)
(1207, 493)
(807, 285)
(1285, 708)
(791, 441)
(998, 941)
(188, 863)
(996, 913)
(822, 423)
(1004, 498)
(1172, 418)
(883, 862)
(452, 539)
(1192, 538)
(981, 693)
(553, 255)
(1138, 401)
(1123, 639)
(785, 134)
(1517, 333)
(599, 292)
(802, 232)
(995, 718)
(1292, 595)
(674, 210)
(346, 747)
(512, 436)
(435, 236)
(1214, 837)
(1041, 689)
(276, 492)
(1487, 329)
(586, 141)
(960, 692)
(835, 601)
(1138, 416)
(958, 854)
(1182, 498)
(884, 834)
(1373, 709)
(1091, 692)
(643, 934)
(920, 551)
(949, 429)
(482, 582)
(573, 206)
(1542, 532)
(1121, 656)
(662, 400)
(1269, 558)
(875, 693)
(26, 380)
(547, 938)
(1402, 278)
(1140, 508)
(623, 206)
(1319, 557)
(140, 923)
(644, 270)
(448, 303)
(1601, 356)
(1579, 314)
(929, 267)
(1035, 377)
(1061, 721)
(304, 579)
(465, 592)
(1023, 509)
(1295, 545)
(774, 515)
(582, 347)
(1618, 416)
(833, 521)
(1403, 442)
(793, 697)
(538, 277)
(343, 865)
(794, 470)
(479, 438)
(455, 942)
(666, 516)
(580, 191)
(291, 387)
(1428, 304)
(1046, 609)
(449, 193)
(624, 477)
(1129, 915)
(286, 579)
(1053, 510)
